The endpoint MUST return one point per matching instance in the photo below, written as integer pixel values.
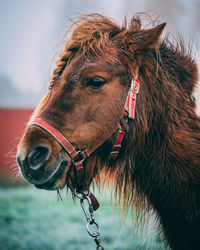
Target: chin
(52, 180)
(57, 181)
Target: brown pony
(158, 165)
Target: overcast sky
(32, 32)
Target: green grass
(32, 219)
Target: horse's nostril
(38, 156)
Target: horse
(120, 109)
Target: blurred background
(32, 34)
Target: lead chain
(89, 214)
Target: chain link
(89, 215)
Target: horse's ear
(150, 38)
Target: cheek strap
(129, 112)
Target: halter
(78, 157)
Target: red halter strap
(129, 112)
(131, 98)
(71, 151)
(79, 156)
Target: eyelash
(96, 82)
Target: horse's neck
(166, 118)
(173, 86)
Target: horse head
(85, 103)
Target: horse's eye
(96, 82)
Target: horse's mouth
(50, 184)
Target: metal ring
(82, 196)
(95, 233)
(79, 195)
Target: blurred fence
(12, 125)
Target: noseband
(78, 157)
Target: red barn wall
(12, 125)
